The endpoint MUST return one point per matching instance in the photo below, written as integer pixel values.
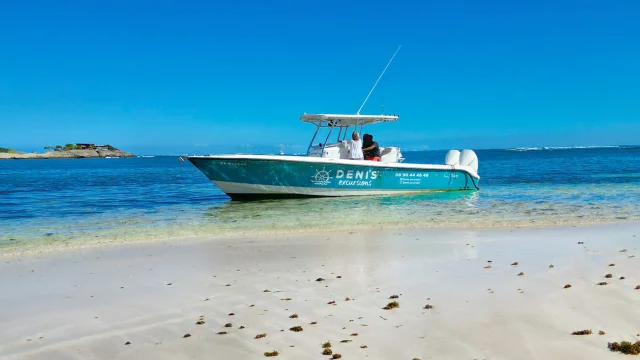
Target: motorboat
(326, 170)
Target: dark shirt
(375, 152)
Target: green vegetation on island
(69, 147)
(9, 151)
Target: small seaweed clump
(331, 303)
(319, 279)
(601, 332)
(293, 316)
(394, 297)
(515, 264)
(354, 334)
(326, 345)
(220, 333)
(314, 322)
(626, 347)
(270, 354)
(428, 307)
(336, 356)
(567, 286)
(327, 351)
(296, 328)
(392, 305)
(582, 332)
(521, 274)
(638, 287)
(346, 341)
(602, 283)
(609, 276)
(363, 346)
(260, 336)
(228, 325)
(187, 335)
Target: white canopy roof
(348, 120)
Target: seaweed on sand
(270, 354)
(567, 286)
(293, 316)
(582, 332)
(327, 351)
(296, 328)
(336, 356)
(392, 305)
(326, 345)
(625, 347)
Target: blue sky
(178, 77)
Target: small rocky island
(69, 151)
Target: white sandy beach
(88, 303)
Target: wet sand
(89, 303)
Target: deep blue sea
(63, 201)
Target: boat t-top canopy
(345, 120)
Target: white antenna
(380, 77)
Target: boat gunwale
(319, 160)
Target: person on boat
(355, 147)
(370, 148)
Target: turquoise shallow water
(63, 201)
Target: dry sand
(87, 304)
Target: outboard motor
(452, 158)
(469, 158)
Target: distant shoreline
(68, 154)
